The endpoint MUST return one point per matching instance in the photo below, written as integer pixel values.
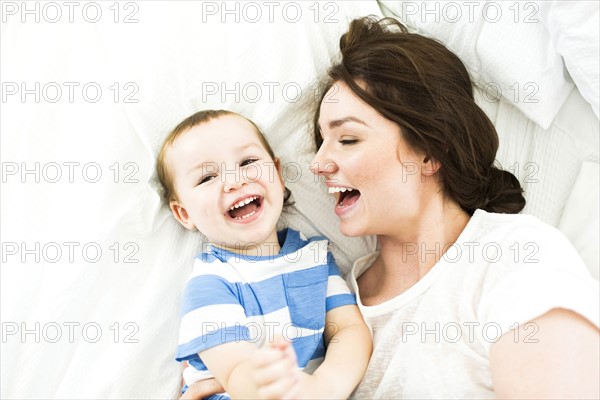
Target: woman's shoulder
(502, 220)
(498, 226)
(518, 242)
(496, 248)
(531, 269)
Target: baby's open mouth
(346, 197)
(245, 208)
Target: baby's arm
(246, 371)
(212, 301)
(276, 374)
(272, 372)
(349, 348)
(232, 365)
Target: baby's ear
(278, 168)
(181, 214)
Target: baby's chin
(242, 246)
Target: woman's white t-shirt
(433, 340)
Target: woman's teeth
(339, 189)
(242, 203)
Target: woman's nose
(322, 165)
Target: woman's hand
(202, 389)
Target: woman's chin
(351, 230)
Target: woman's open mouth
(244, 210)
(346, 198)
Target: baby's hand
(276, 372)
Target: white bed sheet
(170, 54)
(173, 57)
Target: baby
(266, 313)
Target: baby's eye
(348, 141)
(248, 161)
(206, 178)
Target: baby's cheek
(255, 172)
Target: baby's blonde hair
(165, 177)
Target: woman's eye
(248, 161)
(348, 141)
(205, 179)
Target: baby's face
(228, 186)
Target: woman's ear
(181, 215)
(430, 166)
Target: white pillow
(574, 31)
(504, 46)
(580, 218)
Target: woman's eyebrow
(336, 123)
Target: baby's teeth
(247, 215)
(242, 203)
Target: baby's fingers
(266, 356)
(284, 388)
(278, 342)
(284, 345)
(290, 353)
(278, 368)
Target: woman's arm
(349, 348)
(559, 361)
(202, 389)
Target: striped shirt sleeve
(338, 293)
(211, 314)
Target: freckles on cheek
(371, 167)
(367, 174)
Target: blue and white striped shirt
(231, 297)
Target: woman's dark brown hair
(422, 86)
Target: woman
(464, 297)
(399, 126)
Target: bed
(93, 266)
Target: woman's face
(381, 184)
